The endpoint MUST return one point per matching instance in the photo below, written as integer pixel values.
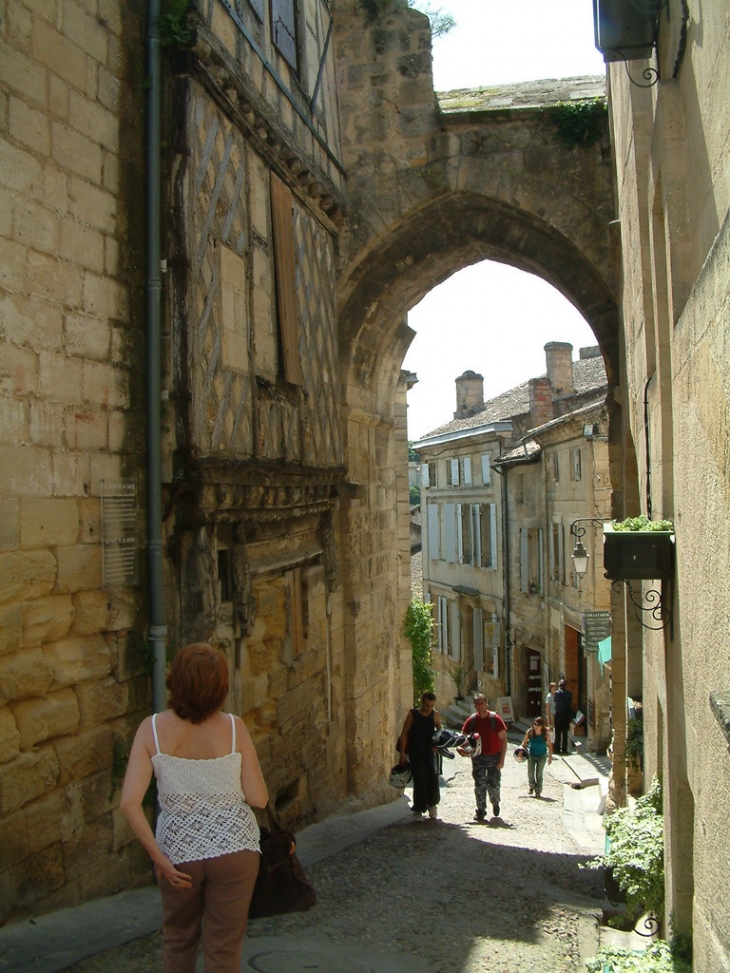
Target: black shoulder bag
(281, 885)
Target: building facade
(669, 456)
(503, 484)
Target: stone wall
(73, 681)
(671, 147)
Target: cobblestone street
(450, 896)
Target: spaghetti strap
(233, 732)
(154, 731)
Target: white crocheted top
(204, 813)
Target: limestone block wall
(672, 168)
(72, 675)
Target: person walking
(550, 708)
(206, 847)
(486, 768)
(539, 752)
(563, 700)
(415, 744)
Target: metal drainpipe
(505, 566)
(157, 626)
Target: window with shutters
(575, 458)
(454, 647)
(432, 532)
(284, 29)
(282, 211)
(452, 472)
(486, 469)
(450, 538)
(491, 644)
(557, 559)
(488, 535)
(466, 470)
(426, 475)
(531, 554)
(465, 538)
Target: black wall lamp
(628, 30)
(654, 606)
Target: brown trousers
(214, 910)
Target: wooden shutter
(524, 560)
(425, 475)
(284, 29)
(282, 209)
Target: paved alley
(400, 895)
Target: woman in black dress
(415, 744)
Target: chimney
(469, 394)
(541, 401)
(559, 358)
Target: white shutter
(454, 474)
(495, 646)
(467, 470)
(459, 535)
(425, 475)
(432, 532)
(478, 639)
(486, 470)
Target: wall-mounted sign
(596, 626)
(119, 533)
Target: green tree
(418, 629)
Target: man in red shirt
(486, 769)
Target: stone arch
(428, 246)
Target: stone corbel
(244, 604)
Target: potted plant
(458, 674)
(638, 548)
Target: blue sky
(499, 319)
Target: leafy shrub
(418, 628)
(659, 957)
(636, 853)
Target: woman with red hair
(206, 847)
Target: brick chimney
(559, 358)
(541, 401)
(469, 394)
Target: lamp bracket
(654, 606)
(579, 532)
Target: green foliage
(414, 496)
(642, 523)
(413, 456)
(173, 24)
(459, 674)
(635, 741)
(659, 957)
(418, 629)
(636, 853)
(580, 122)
